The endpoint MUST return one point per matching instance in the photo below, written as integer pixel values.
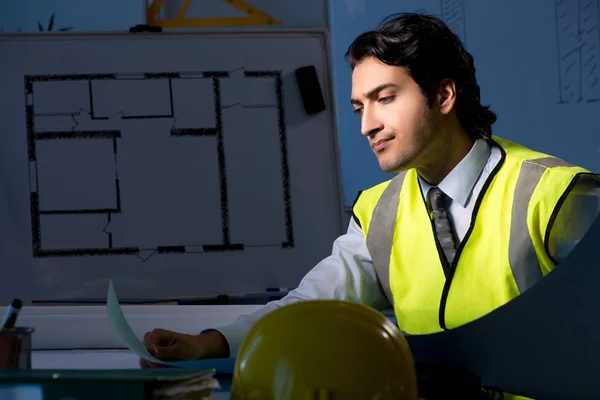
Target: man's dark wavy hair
(430, 52)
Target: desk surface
(97, 359)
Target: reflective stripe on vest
(522, 256)
(381, 232)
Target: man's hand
(173, 346)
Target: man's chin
(393, 168)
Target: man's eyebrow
(375, 91)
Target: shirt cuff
(234, 334)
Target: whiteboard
(176, 164)
(538, 67)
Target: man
(478, 219)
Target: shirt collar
(459, 183)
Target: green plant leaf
(51, 22)
(40, 27)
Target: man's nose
(370, 124)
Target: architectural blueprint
(142, 164)
(578, 50)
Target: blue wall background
(538, 66)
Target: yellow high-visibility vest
(504, 252)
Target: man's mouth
(379, 144)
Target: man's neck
(446, 154)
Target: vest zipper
(449, 276)
(446, 289)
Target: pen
(12, 312)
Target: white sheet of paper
(123, 330)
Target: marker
(276, 289)
(12, 312)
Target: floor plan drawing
(578, 50)
(157, 163)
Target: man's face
(395, 116)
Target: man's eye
(358, 111)
(386, 99)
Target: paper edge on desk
(122, 328)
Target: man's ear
(447, 96)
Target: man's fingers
(175, 352)
(145, 364)
(168, 345)
(155, 336)
(160, 337)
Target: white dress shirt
(348, 273)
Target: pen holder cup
(15, 348)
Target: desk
(99, 359)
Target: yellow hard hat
(324, 350)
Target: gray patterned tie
(443, 229)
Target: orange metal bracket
(254, 16)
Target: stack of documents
(198, 387)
